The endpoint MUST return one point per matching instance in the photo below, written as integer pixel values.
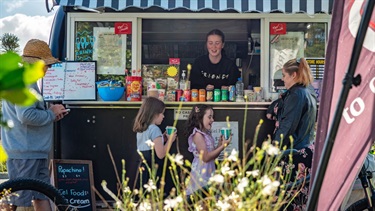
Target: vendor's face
(289, 79)
(208, 119)
(214, 45)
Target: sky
(27, 19)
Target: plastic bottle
(182, 81)
(239, 90)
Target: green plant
(15, 76)
(249, 183)
(3, 158)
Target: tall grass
(253, 182)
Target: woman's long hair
(195, 119)
(302, 69)
(150, 107)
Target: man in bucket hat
(29, 141)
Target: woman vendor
(214, 68)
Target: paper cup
(170, 129)
(153, 93)
(151, 86)
(226, 132)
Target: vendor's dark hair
(150, 107)
(216, 32)
(195, 119)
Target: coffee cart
(260, 36)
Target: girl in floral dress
(201, 144)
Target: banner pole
(347, 85)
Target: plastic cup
(161, 94)
(226, 132)
(170, 129)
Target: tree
(9, 43)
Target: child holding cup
(201, 144)
(150, 115)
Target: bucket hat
(38, 50)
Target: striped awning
(239, 6)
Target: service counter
(92, 128)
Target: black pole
(347, 82)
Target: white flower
(172, 203)
(253, 173)
(270, 149)
(144, 206)
(243, 184)
(179, 199)
(217, 178)
(150, 143)
(265, 180)
(127, 190)
(118, 203)
(198, 207)
(149, 186)
(269, 187)
(233, 155)
(233, 196)
(223, 205)
(178, 159)
(225, 170)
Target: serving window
(186, 39)
(295, 40)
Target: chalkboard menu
(74, 180)
(70, 81)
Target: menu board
(74, 180)
(70, 80)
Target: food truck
(151, 43)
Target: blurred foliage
(9, 43)
(3, 158)
(15, 77)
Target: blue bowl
(111, 93)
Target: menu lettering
(70, 81)
(73, 179)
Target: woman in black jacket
(297, 122)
